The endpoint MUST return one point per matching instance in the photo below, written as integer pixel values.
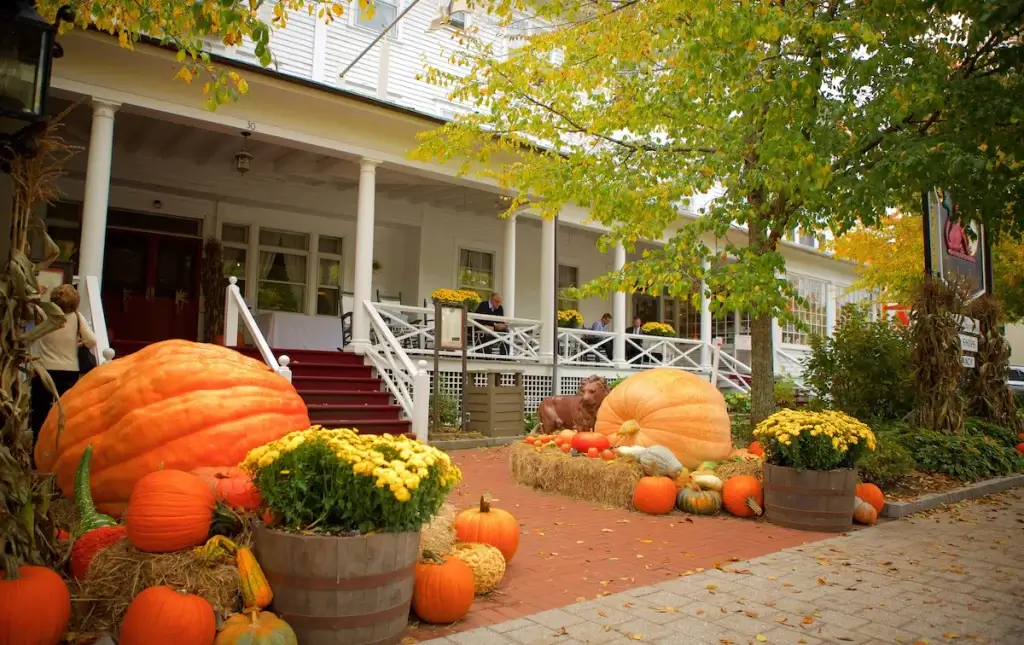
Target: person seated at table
(604, 324)
(633, 347)
(491, 307)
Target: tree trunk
(762, 369)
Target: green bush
(742, 430)
(890, 461)
(785, 393)
(968, 456)
(864, 370)
(449, 413)
(530, 421)
(1003, 435)
(737, 403)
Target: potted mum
(658, 329)
(810, 481)
(343, 513)
(456, 298)
(570, 319)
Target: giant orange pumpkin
(35, 608)
(671, 408)
(174, 404)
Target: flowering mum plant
(456, 297)
(569, 318)
(339, 481)
(658, 329)
(813, 440)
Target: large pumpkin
(163, 615)
(671, 408)
(171, 510)
(174, 404)
(35, 608)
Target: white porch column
(362, 287)
(705, 320)
(97, 189)
(776, 344)
(508, 287)
(547, 288)
(619, 312)
(830, 309)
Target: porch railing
(585, 347)
(733, 373)
(235, 308)
(659, 351)
(790, 365)
(90, 293)
(408, 383)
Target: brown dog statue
(576, 412)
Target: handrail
(735, 366)
(234, 306)
(102, 351)
(408, 383)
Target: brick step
(305, 383)
(344, 397)
(353, 413)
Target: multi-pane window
(848, 300)
(811, 313)
(689, 320)
(670, 312)
(476, 272)
(328, 282)
(377, 15)
(282, 271)
(567, 277)
(723, 325)
(234, 240)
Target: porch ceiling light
(243, 158)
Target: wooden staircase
(339, 389)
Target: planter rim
(263, 527)
(809, 470)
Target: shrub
(742, 430)
(530, 421)
(338, 481)
(1005, 436)
(785, 393)
(968, 456)
(737, 403)
(813, 440)
(864, 370)
(449, 412)
(890, 461)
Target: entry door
(151, 286)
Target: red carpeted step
(342, 397)
(386, 412)
(335, 383)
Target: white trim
(355, 12)
(286, 251)
(320, 30)
(340, 259)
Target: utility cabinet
(495, 410)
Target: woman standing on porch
(57, 353)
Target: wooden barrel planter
(810, 500)
(340, 590)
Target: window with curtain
(567, 277)
(689, 320)
(282, 271)
(328, 283)
(234, 239)
(377, 15)
(476, 272)
(811, 314)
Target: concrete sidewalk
(952, 576)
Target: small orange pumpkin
(872, 495)
(864, 513)
(255, 628)
(34, 608)
(171, 510)
(233, 486)
(755, 449)
(584, 441)
(443, 590)
(742, 496)
(1020, 447)
(655, 495)
(171, 616)
(491, 526)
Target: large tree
(812, 115)
(890, 260)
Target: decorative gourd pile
(173, 405)
(870, 502)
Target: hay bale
(609, 483)
(439, 535)
(121, 571)
(729, 469)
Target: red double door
(150, 288)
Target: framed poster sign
(453, 328)
(49, 279)
(955, 250)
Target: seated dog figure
(576, 412)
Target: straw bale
(439, 535)
(609, 483)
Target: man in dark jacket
(491, 307)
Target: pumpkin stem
(88, 517)
(629, 428)
(485, 506)
(431, 556)
(754, 506)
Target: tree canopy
(190, 27)
(890, 259)
(812, 115)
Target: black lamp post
(27, 49)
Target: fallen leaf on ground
(635, 637)
(581, 598)
(750, 614)
(781, 619)
(606, 531)
(807, 620)
(711, 587)
(561, 632)
(761, 638)
(950, 635)
(645, 541)
(667, 609)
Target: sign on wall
(453, 328)
(955, 250)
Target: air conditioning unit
(452, 14)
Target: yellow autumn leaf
(761, 638)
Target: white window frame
(859, 297)
(356, 12)
(336, 257)
(245, 247)
(566, 303)
(458, 269)
(303, 309)
(814, 318)
(467, 17)
(454, 109)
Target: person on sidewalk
(57, 353)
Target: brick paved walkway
(571, 550)
(953, 576)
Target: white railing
(733, 373)
(413, 331)
(235, 307)
(93, 306)
(789, 365)
(659, 351)
(585, 347)
(408, 383)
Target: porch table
(298, 331)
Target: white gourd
(659, 460)
(706, 480)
